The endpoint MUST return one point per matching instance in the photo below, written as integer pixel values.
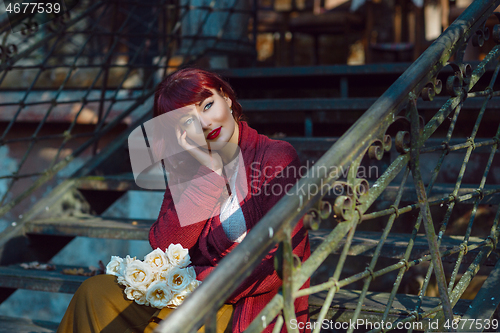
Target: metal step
(125, 182)
(363, 244)
(326, 70)
(121, 182)
(91, 226)
(23, 325)
(347, 104)
(322, 144)
(341, 81)
(323, 70)
(16, 277)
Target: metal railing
(368, 135)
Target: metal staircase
(413, 138)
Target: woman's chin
(215, 145)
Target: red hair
(189, 86)
(184, 87)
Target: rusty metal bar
(426, 215)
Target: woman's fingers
(210, 159)
(181, 138)
(178, 135)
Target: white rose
(177, 255)
(192, 273)
(115, 266)
(162, 274)
(193, 285)
(121, 278)
(138, 275)
(137, 295)
(158, 295)
(177, 299)
(157, 259)
(179, 278)
(129, 259)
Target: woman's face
(210, 122)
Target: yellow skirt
(100, 305)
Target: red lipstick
(214, 134)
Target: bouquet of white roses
(163, 279)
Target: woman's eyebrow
(199, 104)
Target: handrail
(347, 151)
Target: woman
(223, 178)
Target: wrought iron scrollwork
(59, 22)
(431, 89)
(402, 138)
(29, 28)
(496, 30)
(461, 78)
(378, 147)
(354, 191)
(480, 36)
(350, 193)
(7, 51)
(314, 216)
(402, 142)
(496, 33)
(344, 208)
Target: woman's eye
(208, 106)
(188, 122)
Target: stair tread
(354, 103)
(322, 144)
(323, 70)
(364, 242)
(15, 276)
(23, 325)
(361, 237)
(91, 226)
(117, 182)
(125, 182)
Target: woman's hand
(210, 159)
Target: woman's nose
(205, 123)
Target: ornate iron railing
(368, 135)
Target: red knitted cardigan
(275, 166)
